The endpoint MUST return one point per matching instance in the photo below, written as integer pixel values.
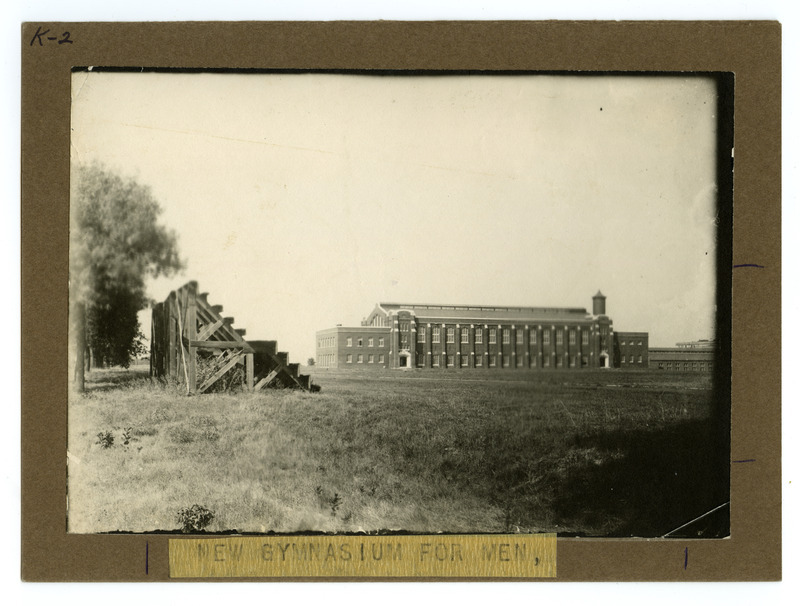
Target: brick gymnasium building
(405, 336)
(690, 356)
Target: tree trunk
(80, 346)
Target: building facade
(631, 350)
(406, 336)
(689, 356)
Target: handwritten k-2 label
(475, 556)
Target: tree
(115, 244)
(310, 362)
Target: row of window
(327, 342)
(631, 359)
(688, 366)
(505, 361)
(326, 359)
(631, 343)
(360, 342)
(505, 335)
(370, 358)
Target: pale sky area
(301, 200)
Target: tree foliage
(116, 242)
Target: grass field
(607, 453)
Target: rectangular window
(492, 361)
(360, 358)
(371, 342)
(349, 358)
(532, 338)
(479, 335)
(506, 361)
(623, 359)
(640, 343)
(464, 361)
(451, 335)
(546, 361)
(349, 341)
(622, 343)
(478, 361)
(465, 335)
(361, 342)
(421, 334)
(380, 342)
(404, 341)
(405, 326)
(572, 337)
(492, 336)
(585, 338)
(640, 359)
(520, 336)
(631, 360)
(506, 336)
(436, 361)
(559, 337)
(380, 358)
(371, 359)
(420, 359)
(436, 334)
(546, 337)
(451, 360)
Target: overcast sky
(301, 200)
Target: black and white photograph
(400, 302)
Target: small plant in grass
(195, 518)
(336, 502)
(105, 439)
(326, 501)
(126, 436)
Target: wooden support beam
(208, 330)
(173, 345)
(266, 380)
(243, 345)
(234, 359)
(248, 365)
(191, 335)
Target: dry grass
(598, 453)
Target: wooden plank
(209, 330)
(244, 345)
(217, 375)
(248, 365)
(191, 335)
(173, 345)
(266, 380)
(209, 312)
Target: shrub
(182, 435)
(105, 439)
(195, 518)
